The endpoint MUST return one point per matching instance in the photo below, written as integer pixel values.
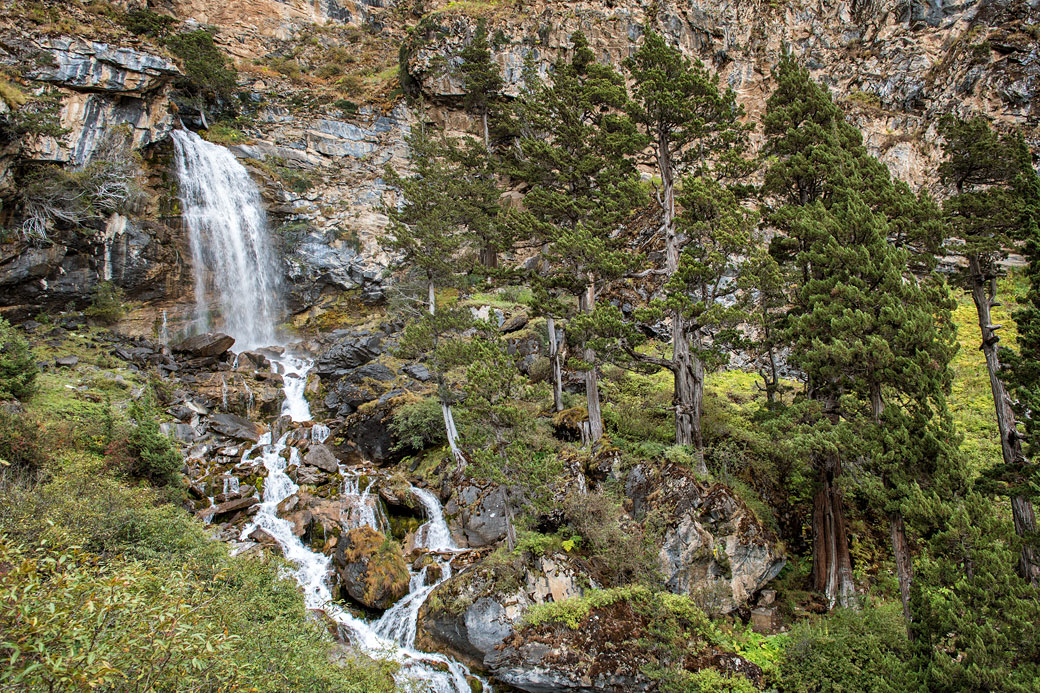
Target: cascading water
(235, 269)
(393, 635)
(237, 278)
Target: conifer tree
(873, 341)
(694, 130)
(426, 230)
(483, 83)
(481, 78)
(991, 177)
(576, 156)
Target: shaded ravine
(238, 290)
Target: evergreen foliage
(18, 369)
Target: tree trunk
(586, 303)
(453, 435)
(689, 370)
(554, 361)
(983, 295)
(904, 565)
(832, 563)
(450, 431)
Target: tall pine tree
(694, 130)
(576, 157)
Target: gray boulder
(477, 513)
(714, 549)
(207, 344)
(321, 456)
(235, 427)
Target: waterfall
(236, 275)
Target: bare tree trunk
(904, 564)
(983, 294)
(832, 562)
(586, 303)
(554, 361)
(450, 430)
(453, 435)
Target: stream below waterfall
(393, 634)
(238, 289)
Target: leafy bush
(145, 453)
(419, 424)
(18, 369)
(617, 551)
(106, 305)
(20, 445)
(147, 601)
(206, 68)
(850, 651)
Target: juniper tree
(872, 340)
(483, 85)
(426, 232)
(994, 181)
(694, 130)
(576, 157)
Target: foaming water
(393, 635)
(236, 275)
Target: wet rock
(235, 427)
(473, 613)
(263, 538)
(224, 511)
(321, 456)
(208, 344)
(371, 570)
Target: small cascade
(223, 393)
(394, 634)
(320, 433)
(294, 370)
(364, 507)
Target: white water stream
(237, 278)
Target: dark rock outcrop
(207, 344)
(477, 513)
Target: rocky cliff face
(896, 66)
(321, 109)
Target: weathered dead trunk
(832, 562)
(904, 565)
(586, 303)
(450, 430)
(554, 361)
(983, 295)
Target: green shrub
(20, 445)
(146, 601)
(418, 425)
(145, 453)
(850, 651)
(206, 68)
(146, 22)
(18, 369)
(106, 304)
